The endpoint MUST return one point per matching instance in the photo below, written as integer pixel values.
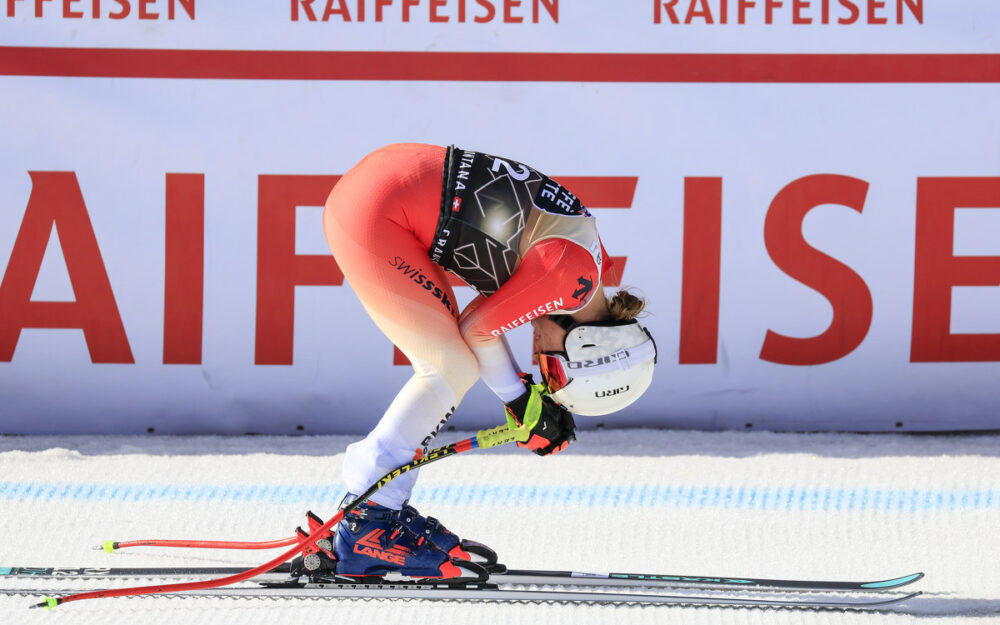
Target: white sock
(415, 416)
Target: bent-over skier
(396, 222)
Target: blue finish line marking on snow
(653, 496)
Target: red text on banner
(279, 268)
(184, 269)
(846, 291)
(57, 202)
(699, 338)
(937, 269)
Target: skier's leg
(409, 299)
(384, 259)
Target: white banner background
(122, 136)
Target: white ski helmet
(604, 366)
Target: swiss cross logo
(456, 204)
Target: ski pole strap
(499, 435)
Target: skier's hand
(549, 426)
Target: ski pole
(483, 439)
(111, 546)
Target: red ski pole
(483, 439)
(111, 545)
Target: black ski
(99, 572)
(512, 576)
(490, 592)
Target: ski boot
(445, 540)
(371, 542)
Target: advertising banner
(807, 194)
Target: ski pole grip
(499, 435)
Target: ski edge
(512, 576)
(433, 593)
(652, 580)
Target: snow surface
(830, 506)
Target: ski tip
(896, 582)
(48, 604)
(912, 595)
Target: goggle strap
(623, 360)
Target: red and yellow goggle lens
(553, 372)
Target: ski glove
(550, 426)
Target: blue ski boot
(445, 540)
(371, 542)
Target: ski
(512, 576)
(477, 592)
(156, 572)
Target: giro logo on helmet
(612, 392)
(621, 354)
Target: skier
(395, 223)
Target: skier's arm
(555, 274)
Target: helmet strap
(566, 322)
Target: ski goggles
(553, 367)
(556, 367)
